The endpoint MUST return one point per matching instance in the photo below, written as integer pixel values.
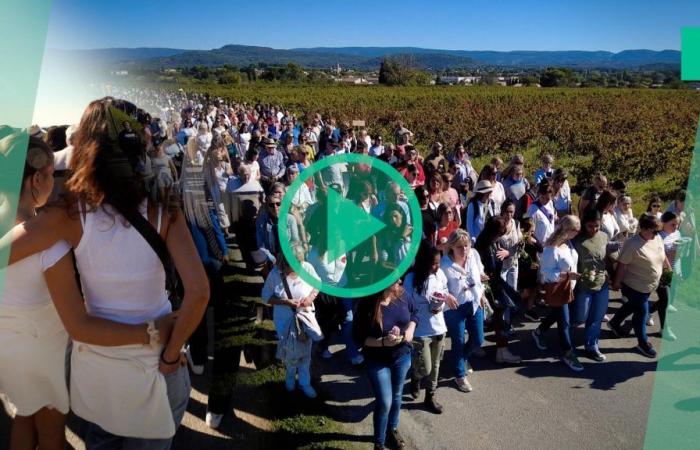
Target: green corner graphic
(674, 411)
(690, 54)
(23, 26)
(355, 250)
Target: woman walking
(639, 268)
(385, 326)
(293, 299)
(465, 277)
(427, 285)
(591, 293)
(504, 298)
(558, 272)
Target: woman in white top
(542, 212)
(465, 276)
(559, 263)
(203, 137)
(33, 339)
(498, 195)
(625, 216)
(605, 206)
(275, 293)
(427, 284)
(510, 241)
(124, 281)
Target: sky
(500, 25)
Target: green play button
(353, 223)
(362, 223)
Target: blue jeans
(589, 307)
(637, 305)
(510, 276)
(387, 381)
(346, 329)
(457, 320)
(178, 384)
(560, 315)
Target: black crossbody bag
(155, 240)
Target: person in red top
(411, 158)
(444, 227)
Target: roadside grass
(282, 419)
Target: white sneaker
(326, 354)
(504, 356)
(308, 391)
(213, 420)
(463, 384)
(650, 322)
(671, 308)
(196, 369)
(606, 318)
(357, 360)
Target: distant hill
(370, 57)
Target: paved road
(539, 404)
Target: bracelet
(169, 363)
(153, 334)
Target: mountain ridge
(370, 57)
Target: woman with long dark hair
(123, 280)
(503, 297)
(40, 307)
(427, 285)
(385, 324)
(591, 293)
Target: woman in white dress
(33, 338)
(123, 279)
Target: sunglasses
(275, 204)
(656, 206)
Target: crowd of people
(139, 197)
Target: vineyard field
(645, 137)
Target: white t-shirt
(25, 286)
(543, 226)
(609, 226)
(429, 324)
(273, 287)
(376, 150)
(464, 283)
(556, 260)
(329, 272)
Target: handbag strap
(286, 286)
(155, 240)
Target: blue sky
(450, 24)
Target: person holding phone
(559, 263)
(427, 284)
(385, 324)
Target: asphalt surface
(539, 404)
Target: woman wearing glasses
(654, 207)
